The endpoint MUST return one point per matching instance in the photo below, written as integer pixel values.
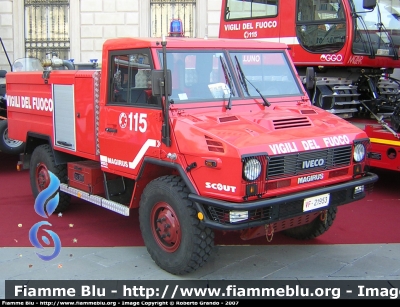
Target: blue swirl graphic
(33, 232)
(43, 202)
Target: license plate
(316, 202)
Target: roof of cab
(184, 42)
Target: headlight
(251, 169)
(359, 152)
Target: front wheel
(174, 237)
(41, 163)
(7, 145)
(314, 229)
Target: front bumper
(270, 210)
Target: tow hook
(269, 232)
(323, 216)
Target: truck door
(131, 119)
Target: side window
(238, 9)
(131, 79)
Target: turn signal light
(19, 166)
(357, 169)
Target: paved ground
(272, 262)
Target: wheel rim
(165, 227)
(10, 142)
(42, 177)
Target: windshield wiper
(244, 81)
(242, 78)
(228, 80)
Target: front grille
(296, 164)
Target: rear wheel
(174, 237)
(41, 163)
(314, 229)
(7, 145)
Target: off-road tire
(7, 145)
(42, 161)
(314, 229)
(166, 210)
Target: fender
(33, 140)
(163, 168)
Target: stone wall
(6, 33)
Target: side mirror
(369, 4)
(310, 78)
(158, 82)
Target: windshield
(199, 75)
(27, 64)
(267, 72)
(381, 24)
(384, 13)
(207, 76)
(321, 25)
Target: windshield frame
(220, 81)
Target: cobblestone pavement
(272, 262)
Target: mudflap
(24, 161)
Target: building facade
(86, 24)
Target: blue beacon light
(176, 28)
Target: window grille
(163, 11)
(47, 28)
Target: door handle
(64, 143)
(111, 130)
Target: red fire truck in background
(7, 145)
(205, 134)
(353, 46)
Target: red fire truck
(353, 46)
(198, 134)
